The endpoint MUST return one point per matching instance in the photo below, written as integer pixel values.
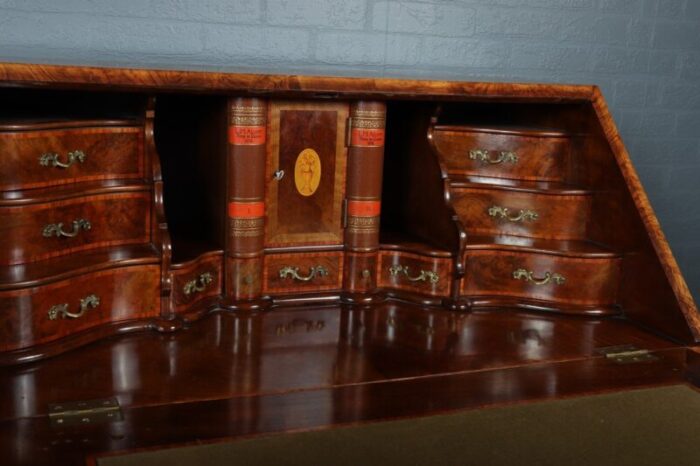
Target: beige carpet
(657, 426)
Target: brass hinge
(85, 412)
(627, 354)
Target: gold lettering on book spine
(242, 115)
(363, 225)
(368, 119)
(247, 227)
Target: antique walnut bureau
(135, 200)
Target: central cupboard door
(306, 162)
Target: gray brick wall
(645, 55)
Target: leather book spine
(366, 131)
(247, 134)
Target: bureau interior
(423, 197)
(382, 249)
(192, 203)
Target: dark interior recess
(187, 132)
(38, 105)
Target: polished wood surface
(305, 348)
(304, 204)
(551, 215)
(416, 274)
(84, 78)
(254, 352)
(538, 155)
(114, 219)
(231, 376)
(590, 281)
(196, 280)
(109, 153)
(124, 294)
(308, 277)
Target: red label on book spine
(246, 209)
(366, 137)
(246, 135)
(364, 208)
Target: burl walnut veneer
(135, 199)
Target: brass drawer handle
(61, 310)
(504, 213)
(423, 276)
(485, 156)
(56, 229)
(549, 277)
(50, 159)
(199, 284)
(287, 271)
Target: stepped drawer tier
(58, 156)
(196, 280)
(556, 279)
(503, 153)
(46, 313)
(415, 273)
(56, 228)
(302, 272)
(497, 211)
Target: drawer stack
(76, 209)
(526, 226)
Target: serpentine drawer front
(503, 153)
(303, 272)
(197, 280)
(493, 210)
(415, 273)
(51, 155)
(32, 316)
(542, 277)
(55, 228)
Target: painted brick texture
(644, 54)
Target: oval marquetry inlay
(307, 172)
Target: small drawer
(196, 280)
(501, 153)
(577, 281)
(536, 215)
(42, 314)
(55, 228)
(415, 273)
(52, 157)
(303, 272)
